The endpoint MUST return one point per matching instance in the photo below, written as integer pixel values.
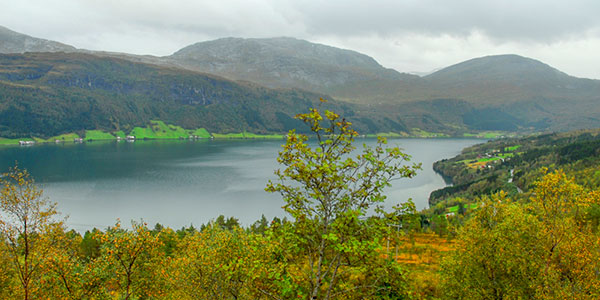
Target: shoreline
(234, 136)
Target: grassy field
(489, 134)
(98, 135)
(160, 130)
(247, 135)
(512, 148)
(120, 134)
(155, 130)
(63, 138)
(417, 132)
(497, 157)
(5, 141)
(386, 135)
(203, 133)
(454, 209)
(68, 137)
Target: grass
(386, 135)
(418, 132)
(497, 157)
(5, 141)
(68, 137)
(486, 134)
(155, 130)
(120, 134)
(454, 209)
(203, 133)
(160, 130)
(486, 159)
(98, 135)
(247, 135)
(512, 148)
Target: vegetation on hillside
(540, 243)
(512, 164)
(44, 95)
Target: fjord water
(179, 183)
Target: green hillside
(48, 94)
(512, 164)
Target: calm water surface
(178, 183)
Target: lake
(179, 183)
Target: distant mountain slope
(502, 92)
(284, 63)
(45, 94)
(14, 42)
(511, 92)
(502, 79)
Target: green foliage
(425, 134)
(227, 264)
(98, 135)
(499, 254)
(547, 249)
(486, 168)
(26, 229)
(120, 134)
(77, 92)
(328, 190)
(134, 262)
(246, 135)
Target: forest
(520, 222)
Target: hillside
(512, 165)
(14, 42)
(283, 62)
(46, 94)
(504, 79)
(511, 92)
(502, 92)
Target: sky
(416, 36)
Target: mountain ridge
(14, 42)
(47, 94)
(499, 92)
(282, 62)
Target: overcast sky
(407, 35)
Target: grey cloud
(404, 34)
(536, 20)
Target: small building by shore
(26, 143)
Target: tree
(545, 249)
(221, 263)
(134, 261)
(68, 273)
(26, 225)
(328, 190)
(498, 254)
(571, 258)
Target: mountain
(511, 92)
(14, 42)
(509, 78)
(46, 94)
(284, 63)
(501, 92)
